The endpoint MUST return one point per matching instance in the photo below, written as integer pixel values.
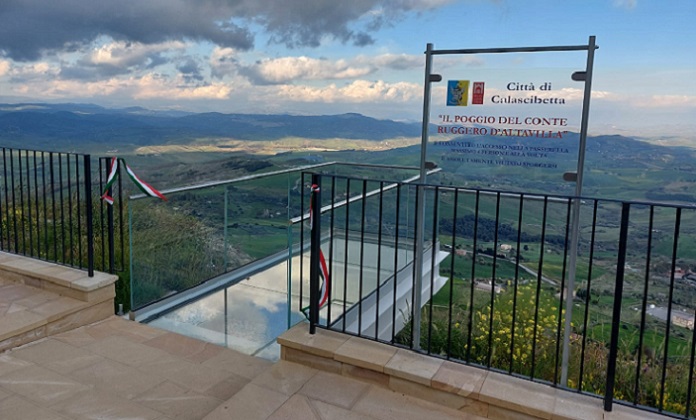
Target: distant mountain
(70, 125)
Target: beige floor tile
(116, 378)
(76, 338)
(238, 363)
(518, 394)
(621, 412)
(9, 363)
(4, 394)
(251, 403)
(178, 402)
(334, 389)
(98, 405)
(459, 379)
(226, 389)
(123, 350)
(570, 405)
(332, 412)
(285, 377)
(18, 408)
(387, 405)
(412, 366)
(13, 292)
(365, 353)
(57, 355)
(296, 408)
(134, 330)
(185, 347)
(41, 385)
(57, 308)
(37, 299)
(189, 375)
(19, 322)
(324, 343)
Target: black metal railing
(49, 209)
(496, 279)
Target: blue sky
(327, 57)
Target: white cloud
(127, 54)
(359, 91)
(287, 69)
(4, 67)
(394, 61)
(223, 62)
(152, 86)
(663, 101)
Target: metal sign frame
(580, 76)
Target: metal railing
(49, 209)
(495, 277)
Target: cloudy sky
(330, 57)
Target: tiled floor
(118, 369)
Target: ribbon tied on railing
(143, 186)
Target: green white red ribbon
(323, 270)
(143, 186)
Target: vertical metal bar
(616, 315)
(79, 213)
(45, 201)
(379, 258)
(675, 247)
(489, 356)
(224, 235)
(587, 296)
(540, 275)
(14, 203)
(362, 255)
(473, 280)
(690, 387)
(62, 208)
(21, 202)
(53, 207)
(302, 238)
(644, 306)
(417, 282)
(433, 256)
(345, 255)
(3, 197)
(36, 207)
(591, 46)
(315, 249)
(567, 290)
(29, 216)
(70, 209)
(110, 232)
(453, 254)
(101, 211)
(517, 278)
(396, 258)
(121, 204)
(89, 215)
(130, 256)
(7, 197)
(331, 248)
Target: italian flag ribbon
(323, 270)
(143, 186)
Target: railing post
(315, 249)
(89, 215)
(616, 316)
(111, 236)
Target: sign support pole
(420, 204)
(570, 287)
